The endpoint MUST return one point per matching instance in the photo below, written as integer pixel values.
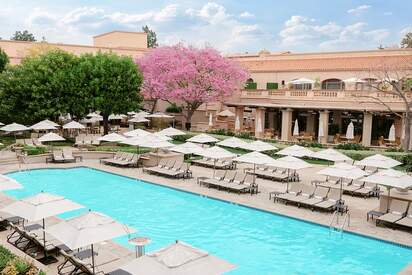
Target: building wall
(120, 39)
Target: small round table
(140, 243)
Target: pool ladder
(334, 222)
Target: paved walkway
(358, 206)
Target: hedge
(10, 264)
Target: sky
(231, 26)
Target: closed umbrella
(112, 137)
(232, 142)
(392, 136)
(203, 138)
(178, 259)
(296, 128)
(378, 161)
(39, 207)
(255, 158)
(258, 146)
(170, 132)
(391, 179)
(331, 155)
(343, 171)
(237, 124)
(295, 151)
(88, 229)
(210, 120)
(349, 131)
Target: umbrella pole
(93, 258)
(287, 183)
(387, 204)
(44, 240)
(254, 174)
(214, 167)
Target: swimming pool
(257, 241)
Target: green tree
(23, 36)
(4, 60)
(151, 37)
(42, 86)
(407, 41)
(112, 83)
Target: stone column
(324, 123)
(260, 122)
(367, 129)
(310, 123)
(239, 117)
(286, 125)
(271, 118)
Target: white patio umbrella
(51, 137)
(187, 148)
(138, 120)
(210, 120)
(112, 137)
(378, 161)
(391, 179)
(7, 183)
(226, 113)
(237, 124)
(14, 127)
(137, 133)
(73, 125)
(141, 114)
(295, 151)
(88, 229)
(255, 158)
(232, 142)
(343, 171)
(216, 153)
(258, 146)
(116, 117)
(331, 155)
(170, 132)
(349, 131)
(95, 115)
(150, 141)
(178, 259)
(301, 81)
(290, 163)
(296, 128)
(202, 138)
(42, 126)
(1, 124)
(160, 136)
(39, 207)
(159, 115)
(391, 136)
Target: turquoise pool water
(258, 242)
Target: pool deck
(358, 207)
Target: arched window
(333, 84)
(250, 80)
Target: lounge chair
(58, 156)
(68, 155)
(292, 192)
(397, 210)
(79, 141)
(329, 182)
(227, 180)
(352, 186)
(369, 189)
(73, 265)
(247, 185)
(87, 140)
(307, 192)
(163, 164)
(218, 176)
(331, 202)
(319, 195)
(407, 220)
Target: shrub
(222, 132)
(173, 108)
(311, 144)
(30, 150)
(245, 135)
(351, 146)
(182, 138)
(5, 257)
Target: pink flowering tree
(189, 77)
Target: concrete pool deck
(358, 206)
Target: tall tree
(42, 86)
(112, 82)
(189, 77)
(151, 37)
(4, 60)
(407, 41)
(23, 36)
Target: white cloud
(246, 14)
(358, 10)
(302, 32)
(406, 30)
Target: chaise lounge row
(354, 188)
(273, 173)
(217, 164)
(61, 156)
(231, 181)
(122, 159)
(399, 214)
(170, 168)
(314, 197)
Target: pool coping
(225, 201)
